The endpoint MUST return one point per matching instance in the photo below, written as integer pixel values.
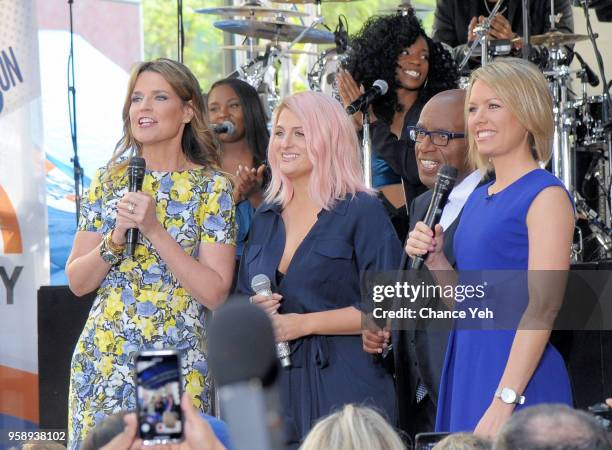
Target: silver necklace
(501, 11)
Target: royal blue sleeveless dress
(492, 235)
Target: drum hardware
(482, 39)
(322, 74)
(262, 48)
(405, 8)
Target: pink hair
(332, 147)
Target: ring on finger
(131, 208)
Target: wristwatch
(110, 252)
(509, 396)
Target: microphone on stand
(447, 175)
(135, 173)
(226, 127)
(261, 286)
(379, 87)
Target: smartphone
(427, 441)
(158, 396)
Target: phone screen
(427, 441)
(158, 392)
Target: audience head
(552, 427)
(510, 97)
(197, 141)
(238, 102)
(313, 144)
(104, 432)
(353, 428)
(384, 48)
(442, 113)
(463, 441)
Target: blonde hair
(353, 428)
(198, 142)
(523, 89)
(463, 441)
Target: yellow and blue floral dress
(140, 304)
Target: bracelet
(115, 248)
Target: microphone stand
(77, 169)
(366, 148)
(526, 24)
(482, 38)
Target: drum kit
(582, 125)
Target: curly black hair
(374, 53)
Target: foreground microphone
(226, 127)
(135, 173)
(243, 362)
(379, 87)
(261, 286)
(447, 175)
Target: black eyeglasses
(439, 138)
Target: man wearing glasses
(419, 355)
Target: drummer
(396, 49)
(455, 20)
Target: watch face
(508, 395)
(109, 257)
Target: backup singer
(184, 258)
(243, 153)
(316, 233)
(396, 49)
(522, 220)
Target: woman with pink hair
(315, 235)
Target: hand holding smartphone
(158, 396)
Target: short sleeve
(90, 214)
(218, 212)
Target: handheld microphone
(379, 87)
(135, 173)
(226, 127)
(261, 286)
(591, 76)
(447, 175)
(243, 362)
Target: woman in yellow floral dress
(184, 259)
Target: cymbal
(248, 10)
(404, 7)
(555, 39)
(274, 30)
(311, 1)
(262, 48)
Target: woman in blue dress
(316, 234)
(523, 220)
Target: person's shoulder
(361, 202)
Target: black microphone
(591, 76)
(379, 87)
(261, 286)
(447, 175)
(226, 127)
(341, 37)
(242, 359)
(135, 173)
